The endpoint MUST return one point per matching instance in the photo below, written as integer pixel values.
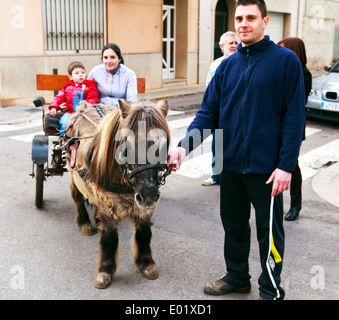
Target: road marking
(27, 137)
(21, 126)
(318, 157)
(7, 127)
(200, 165)
(180, 123)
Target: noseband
(127, 174)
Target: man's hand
(281, 181)
(178, 154)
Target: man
(228, 44)
(257, 98)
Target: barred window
(74, 25)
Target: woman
(114, 80)
(298, 46)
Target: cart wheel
(39, 187)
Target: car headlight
(316, 92)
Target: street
(45, 256)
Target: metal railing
(73, 25)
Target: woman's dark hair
(115, 48)
(298, 46)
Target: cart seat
(52, 125)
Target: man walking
(257, 98)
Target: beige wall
(20, 28)
(135, 25)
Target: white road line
(20, 126)
(180, 123)
(200, 164)
(318, 157)
(27, 137)
(7, 127)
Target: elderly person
(113, 79)
(228, 45)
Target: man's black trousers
(237, 192)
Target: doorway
(168, 39)
(221, 25)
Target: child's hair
(73, 65)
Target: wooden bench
(55, 82)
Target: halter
(127, 174)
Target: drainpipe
(198, 67)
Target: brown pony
(116, 171)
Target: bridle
(128, 174)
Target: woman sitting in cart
(74, 91)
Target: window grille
(73, 25)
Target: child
(74, 91)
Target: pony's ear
(163, 106)
(124, 108)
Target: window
(73, 25)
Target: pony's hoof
(150, 272)
(87, 230)
(103, 280)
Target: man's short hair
(73, 65)
(225, 35)
(260, 3)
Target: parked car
(323, 101)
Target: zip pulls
(119, 81)
(243, 107)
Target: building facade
(168, 42)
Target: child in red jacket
(74, 91)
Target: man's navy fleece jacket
(257, 98)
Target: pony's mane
(103, 168)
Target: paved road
(44, 256)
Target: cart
(48, 158)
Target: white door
(275, 27)
(168, 40)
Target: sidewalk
(325, 183)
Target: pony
(120, 163)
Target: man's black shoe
(220, 287)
